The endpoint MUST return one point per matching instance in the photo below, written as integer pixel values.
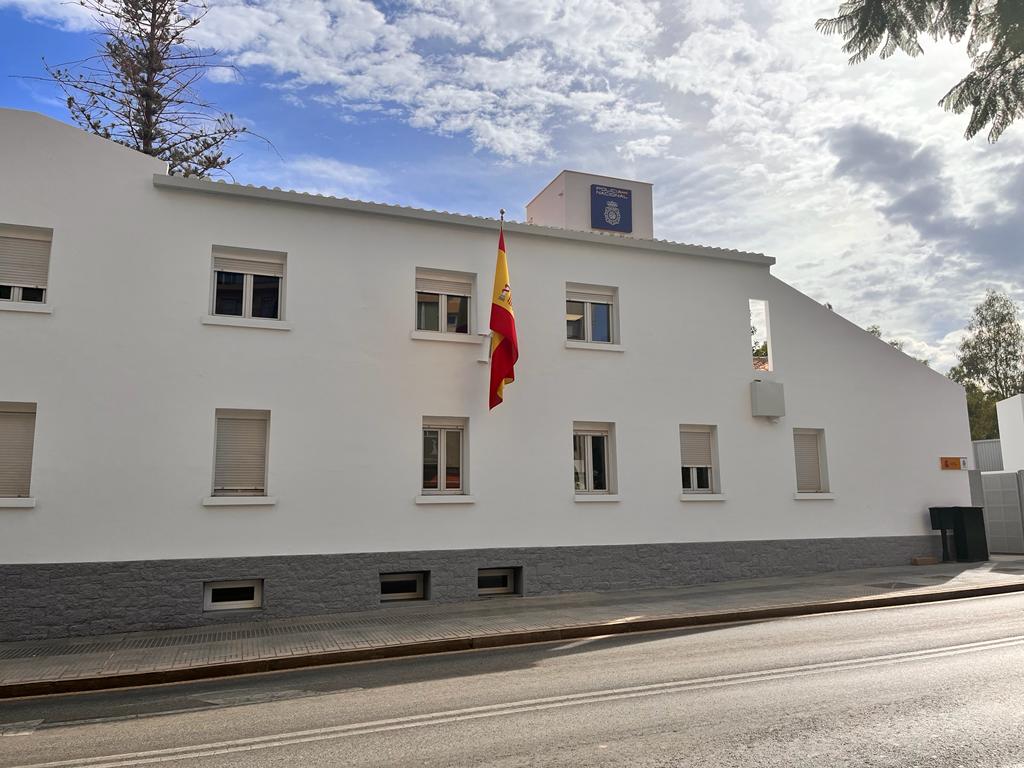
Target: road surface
(932, 685)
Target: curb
(526, 637)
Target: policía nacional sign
(611, 208)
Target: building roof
(444, 217)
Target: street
(930, 685)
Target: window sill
(702, 497)
(598, 345)
(589, 498)
(247, 322)
(458, 338)
(26, 306)
(813, 496)
(445, 499)
(239, 501)
(19, 502)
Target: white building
(221, 402)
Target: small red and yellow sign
(953, 462)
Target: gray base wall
(73, 599)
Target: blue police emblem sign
(611, 208)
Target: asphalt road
(931, 685)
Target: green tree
(991, 355)
(981, 411)
(993, 90)
(139, 88)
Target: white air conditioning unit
(767, 399)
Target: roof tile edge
(444, 217)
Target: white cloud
(223, 75)
(652, 146)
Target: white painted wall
(565, 203)
(1010, 413)
(127, 380)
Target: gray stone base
(72, 599)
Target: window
(24, 263)
(404, 586)
(593, 458)
(811, 472)
(248, 283)
(760, 348)
(443, 301)
(241, 453)
(498, 581)
(697, 444)
(232, 595)
(444, 456)
(590, 313)
(17, 433)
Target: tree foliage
(993, 90)
(991, 356)
(139, 88)
(981, 412)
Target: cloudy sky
(754, 130)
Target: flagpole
(501, 228)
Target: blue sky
(753, 128)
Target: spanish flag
(504, 346)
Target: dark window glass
(601, 322)
(453, 459)
(232, 594)
(687, 479)
(266, 296)
(458, 314)
(428, 317)
(5, 292)
(400, 586)
(229, 290)
(33, 294)
(579, 462)
(574, 328)
(599, 449)
(493, 581)
(430, 445)
(704, 478)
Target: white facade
(127, 370)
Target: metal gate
(1004, 518)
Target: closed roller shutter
(695, 448)
(590, 296)
(427, 283)
(808, 462)
(16, 436)
(241, 462)
(249, 263)
(24, 261)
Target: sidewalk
(90, 663)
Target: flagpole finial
(501, 212)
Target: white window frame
(714, 486)
(240, 413)
(466, 279)
(17, 297)
(420, 593)
(254, 256)
(590, 430)
(442, 427)
(232, 605)
(823, 481)
(589, 295)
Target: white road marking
(529, 705)
(22, 728)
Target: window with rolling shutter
(807, 450)
(241, 453)
(248, 283)
(697, 453)
(443, 301)
(24, 263)
(590, 313)
(17, 434)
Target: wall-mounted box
(767, 399)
